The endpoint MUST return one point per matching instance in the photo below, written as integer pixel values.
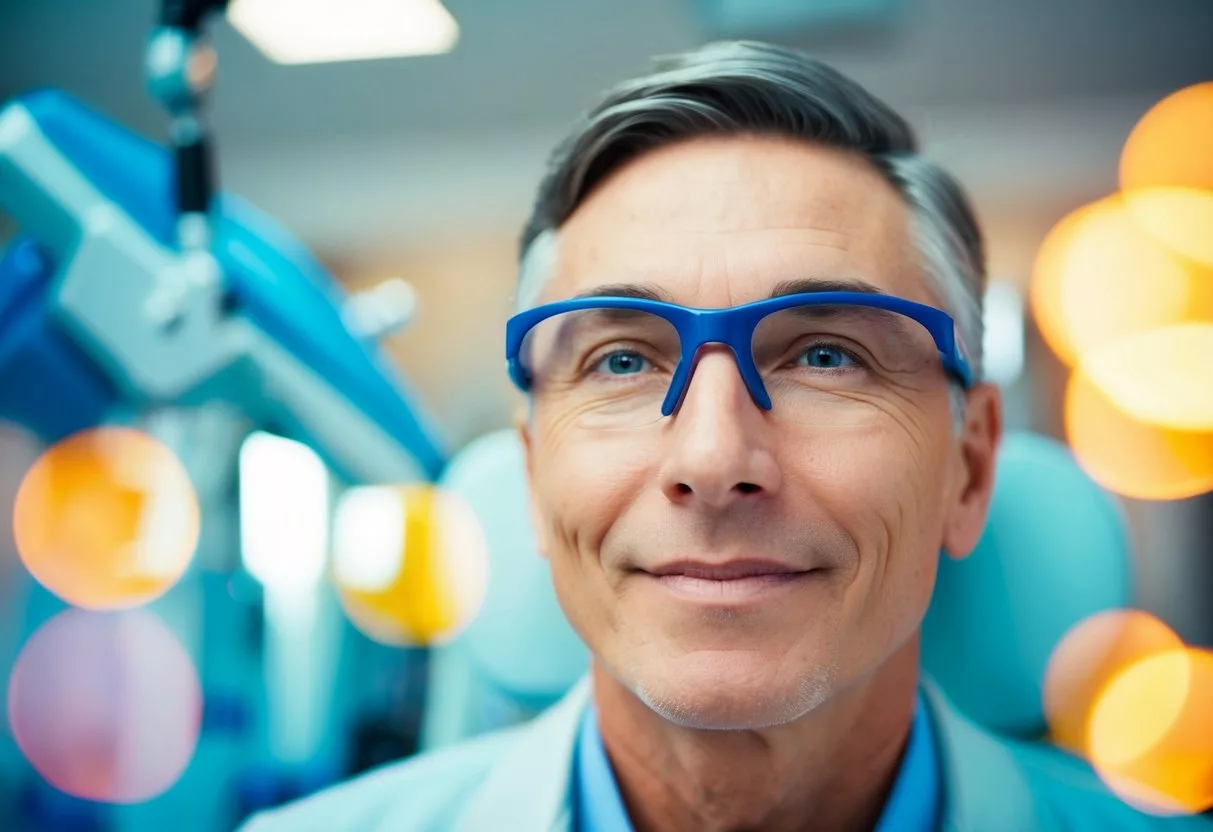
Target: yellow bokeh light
(106, 519)
(1179, 218)
(1156, 688)
(1166, 172)
(1098, 277)
(1091, 654)
(1151, 732)
(1161, 377)
(410, 563)
(1131, 457)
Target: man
(750, 333)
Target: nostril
(684, 489)
(748, 488)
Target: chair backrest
(1054, 552)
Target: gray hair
(748, 88)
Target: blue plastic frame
(734, 327)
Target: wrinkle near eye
(561, 421)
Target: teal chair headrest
(520, 644)
(1054, 552)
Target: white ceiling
(522, 62)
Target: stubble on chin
(740, 710)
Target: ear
(538, 523)
(974, 465)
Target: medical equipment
(132, 288)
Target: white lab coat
(519, 780)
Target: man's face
(856, 514)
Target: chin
(727, 690)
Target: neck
(832, 768)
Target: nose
(720, 452)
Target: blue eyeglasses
(820, 358)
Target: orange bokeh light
(410, 563)
(1090, 655)
(106, 519)
(1169, 147)
(1098, 276)
(1151, 732)
(1131, 457)
(106, 706)
(1166, 171)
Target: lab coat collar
(532, 785)
(984, 787)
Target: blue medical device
(131, 287)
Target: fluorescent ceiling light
(317, 31)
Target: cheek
(582, 483)
(881, 491)
(885, 489)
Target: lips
(734, 570)
(735, 584)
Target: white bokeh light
(368, 538)
(1003, 344)
(283, 512)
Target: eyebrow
(812, 285)
(645, 291)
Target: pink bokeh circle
(106, 706)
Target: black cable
(195, 176)
(183, 96)
(188, 14)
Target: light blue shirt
(913, 805)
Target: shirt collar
(598, 806)
(913, 805)
(917, 796)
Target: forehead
(721, 221)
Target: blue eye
(825, 357)
(622, 363)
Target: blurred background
(213, 601)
